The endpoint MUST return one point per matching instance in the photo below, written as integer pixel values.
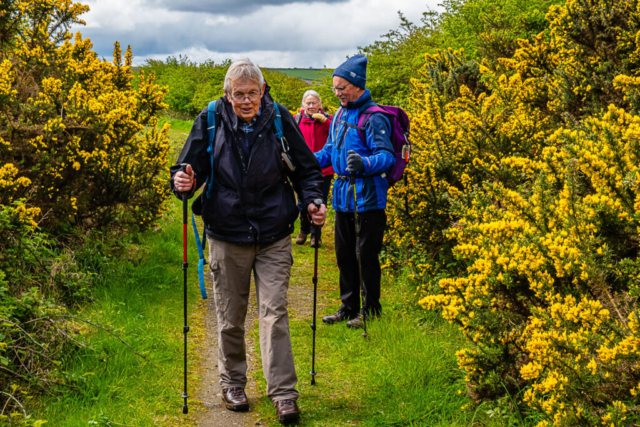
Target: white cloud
(309, 34)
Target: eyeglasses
(337, 89)
(240, 97)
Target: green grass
(304, 73)
(140, 298)
(179, 126)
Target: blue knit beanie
(354, 70)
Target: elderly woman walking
(314, 124)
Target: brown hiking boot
(235, 399)
(302, 237)
(287, 410)
(339, 316)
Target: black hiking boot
(340, 316)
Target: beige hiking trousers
(231, 265)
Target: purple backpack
(399, 137)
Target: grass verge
(138, 296)
(403, 374)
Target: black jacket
(252, 200)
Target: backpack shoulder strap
(334, 126)
(283, 141)
(298, 118)
(211, 122)
(211, 133)
(363, 120)
(278, 122)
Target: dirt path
(213, 412)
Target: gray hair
(310, 92)
(243, 68)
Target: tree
(396, 59)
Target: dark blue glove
(354, 162)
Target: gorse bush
(79, 152)
(527, 167)
(83, 140)
(490, 29)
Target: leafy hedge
(192, 85)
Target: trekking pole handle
(183, 168)
(317, 203)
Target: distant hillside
(307, 74)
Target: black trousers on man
(372, 225)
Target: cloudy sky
(273, 33)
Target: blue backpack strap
(211, 132)
(283, 141)
(279, 130)
(203, 289)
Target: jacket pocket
(214, 267)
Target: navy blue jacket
(377, 153)
(252, 200)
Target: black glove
(354, 162)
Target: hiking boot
(287, 410)
(302, 237)
(312, 242)
(339, 316)
(235, 399)
(356, 322)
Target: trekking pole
(185, 265)
(363, 291)
(316, 244)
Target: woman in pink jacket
(314, 125)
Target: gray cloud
(226, 7)
(295, 34)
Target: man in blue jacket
(368, 160)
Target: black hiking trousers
(372, 226)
